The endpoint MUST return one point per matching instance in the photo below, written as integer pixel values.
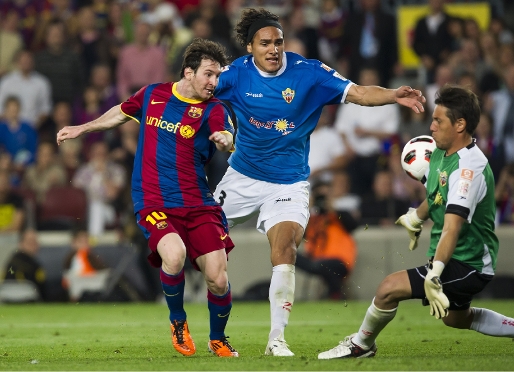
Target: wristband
(437, 267)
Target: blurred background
(67, 229)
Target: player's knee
(218, 285)
(387, 292)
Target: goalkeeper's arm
(439, 303)
(413, 221)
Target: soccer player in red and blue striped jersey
(181, 126)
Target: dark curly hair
(201, 49)
(248, 17)
(460, 103)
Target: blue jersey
(173, 146)
(277, 114)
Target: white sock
(492, 323)
(281, 298)
(374, 322)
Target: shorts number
(223, 195)
(157, 216)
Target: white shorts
(241, 197)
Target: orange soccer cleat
(181, 338)
(222, 348)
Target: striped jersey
(277, 114)
(463, 184)
(173, 146)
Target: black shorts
(460, 283)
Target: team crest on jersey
(161, 225)
(325, 67)
(288, 95)
(187, 131)
(195, 112)
(443, 178)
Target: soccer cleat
(347, 349)
(181, 338)
(222, 348)
(277, 347)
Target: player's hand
(413, 224)
(219, 139)
(439, 303)
(409, 97)
(68, 133)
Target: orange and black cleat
(222, 348)
(181, 338)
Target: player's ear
(188, 72)
(249, 47)
(461, 125)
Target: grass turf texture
(137, 337)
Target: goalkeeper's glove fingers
(439, 303)
(413, 224)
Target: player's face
(267, 48)
(204, 80)
(443, 132)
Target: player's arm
(413, 222)
(110, 119)
(378, 96)
(223, 140)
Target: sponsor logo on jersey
(273, 124)
(282, 200)
(187, 131)
(163, 124)
(463, 188)
(156, 102)
(195, 112)
(254, 95)
(443, 178)
(339, 76)
(467, 174)
(288, 95)
(325, 67)
(161, 225)
(223, 237)
(438, 200)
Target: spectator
(443, 75)
(345, 203)
(432, 40)
(485, 142)
(61, 117)
(327, 149)
(102, 180)
(364, 129)
(32, 89)
(60, 65)
(330, 30)
(57, 10)
(10, 41)
(330, 251)
(45, 173)
(369, 42)
(212, 11)
(295, 27)
(404, 187)
(504, 195)
(17, 137)
(139, 63)
(88, 109)
(101, 80)
(382, 208)
(70, 158)
(24, 265)
(12, 213)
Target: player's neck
(186, 91)
(459, 145)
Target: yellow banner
(408, 16)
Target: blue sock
(173, 288)
(219, 312)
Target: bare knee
(217, 284)
(459, 319)
(173, 253)
(393, 289)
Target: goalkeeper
(463, 245)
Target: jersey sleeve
(219, 120)
(226, 82)
(133, 106)
(467, 187)
(331, 85)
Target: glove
(413, 224)
(439, 303)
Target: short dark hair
(460, 103)
(248, 17)
(14, 99)
(201, 49)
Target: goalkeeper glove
(413, 224)
(439, 303)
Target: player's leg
(283, 216)
(394, 288)
(169, 253)
(214, 268)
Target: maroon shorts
(202, 229)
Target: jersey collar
(278, 73)
(181, 97)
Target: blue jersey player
(278, 98)
(181, 125)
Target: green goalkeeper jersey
(463, 184)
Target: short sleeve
(133, 106)
(220, 120)
(467, 189)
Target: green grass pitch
(137, 337)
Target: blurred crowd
(65, 62)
